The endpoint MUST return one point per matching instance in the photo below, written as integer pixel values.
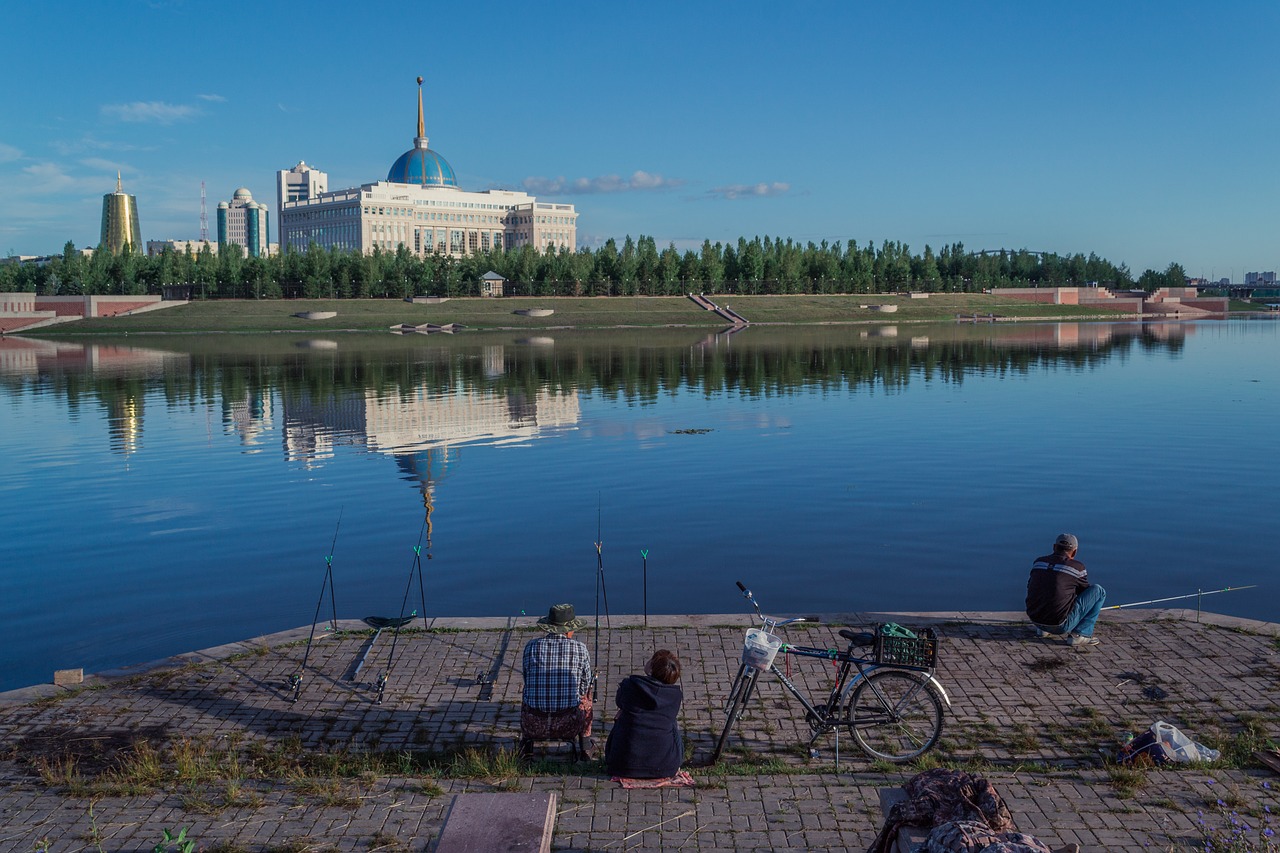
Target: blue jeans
(1083, 615)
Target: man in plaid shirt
(557, 701)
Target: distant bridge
(1245, 290)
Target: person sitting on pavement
(1060, 599)
(557, 682)
(645, 741)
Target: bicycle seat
(862, 638)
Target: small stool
(572, 725)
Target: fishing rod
(600, 589)
(295, 680)
(644, 583)
(1196, 595)
(414, 568)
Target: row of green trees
(637, 268)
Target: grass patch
(1023, 739)
(385, 841)
(474, 763)
(1237, 750)
(1094, 725)
(431, 789)
(1126, 780)
(479, 314)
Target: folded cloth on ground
(969, 836)
(940, 795)
(680, 780)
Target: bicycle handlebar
(769, 622)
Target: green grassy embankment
(586, 313)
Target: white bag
(1178, 746)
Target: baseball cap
(1067, 542)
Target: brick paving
(1033, 716)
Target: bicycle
(892, 704)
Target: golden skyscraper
(120, 221)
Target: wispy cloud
(638, 182)
(155, 112)
(8, 153)
(47, 178)
(761, 190)
(75, 147)
(106, 165)
(218, 99)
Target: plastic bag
(1144, 749)
(1163, 743)
(1179, 747)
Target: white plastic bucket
(759, 648)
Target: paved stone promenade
(211, 742)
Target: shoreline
(529, 624)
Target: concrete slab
(499, 823)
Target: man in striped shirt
(1060, 599)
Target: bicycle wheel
(895, 715)
(739, 696)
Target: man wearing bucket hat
(1060, 599)
(557, 703)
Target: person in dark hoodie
(645, 742)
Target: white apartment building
(420, 206)
(297, 184)
(244, 222)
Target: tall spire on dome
(420, 165)
(421, 139)
(119, 189)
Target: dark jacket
(1052, 588)
(645, 742)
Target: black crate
(918, 652)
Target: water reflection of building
(30, 357)
(420, 428)
(1059, 335)
(249, 417)
(114, 369)
(420, 419)
(124, 422)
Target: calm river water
(163, 494)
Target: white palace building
(419, 206)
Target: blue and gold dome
(420, 165)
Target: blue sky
(1144, 131)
